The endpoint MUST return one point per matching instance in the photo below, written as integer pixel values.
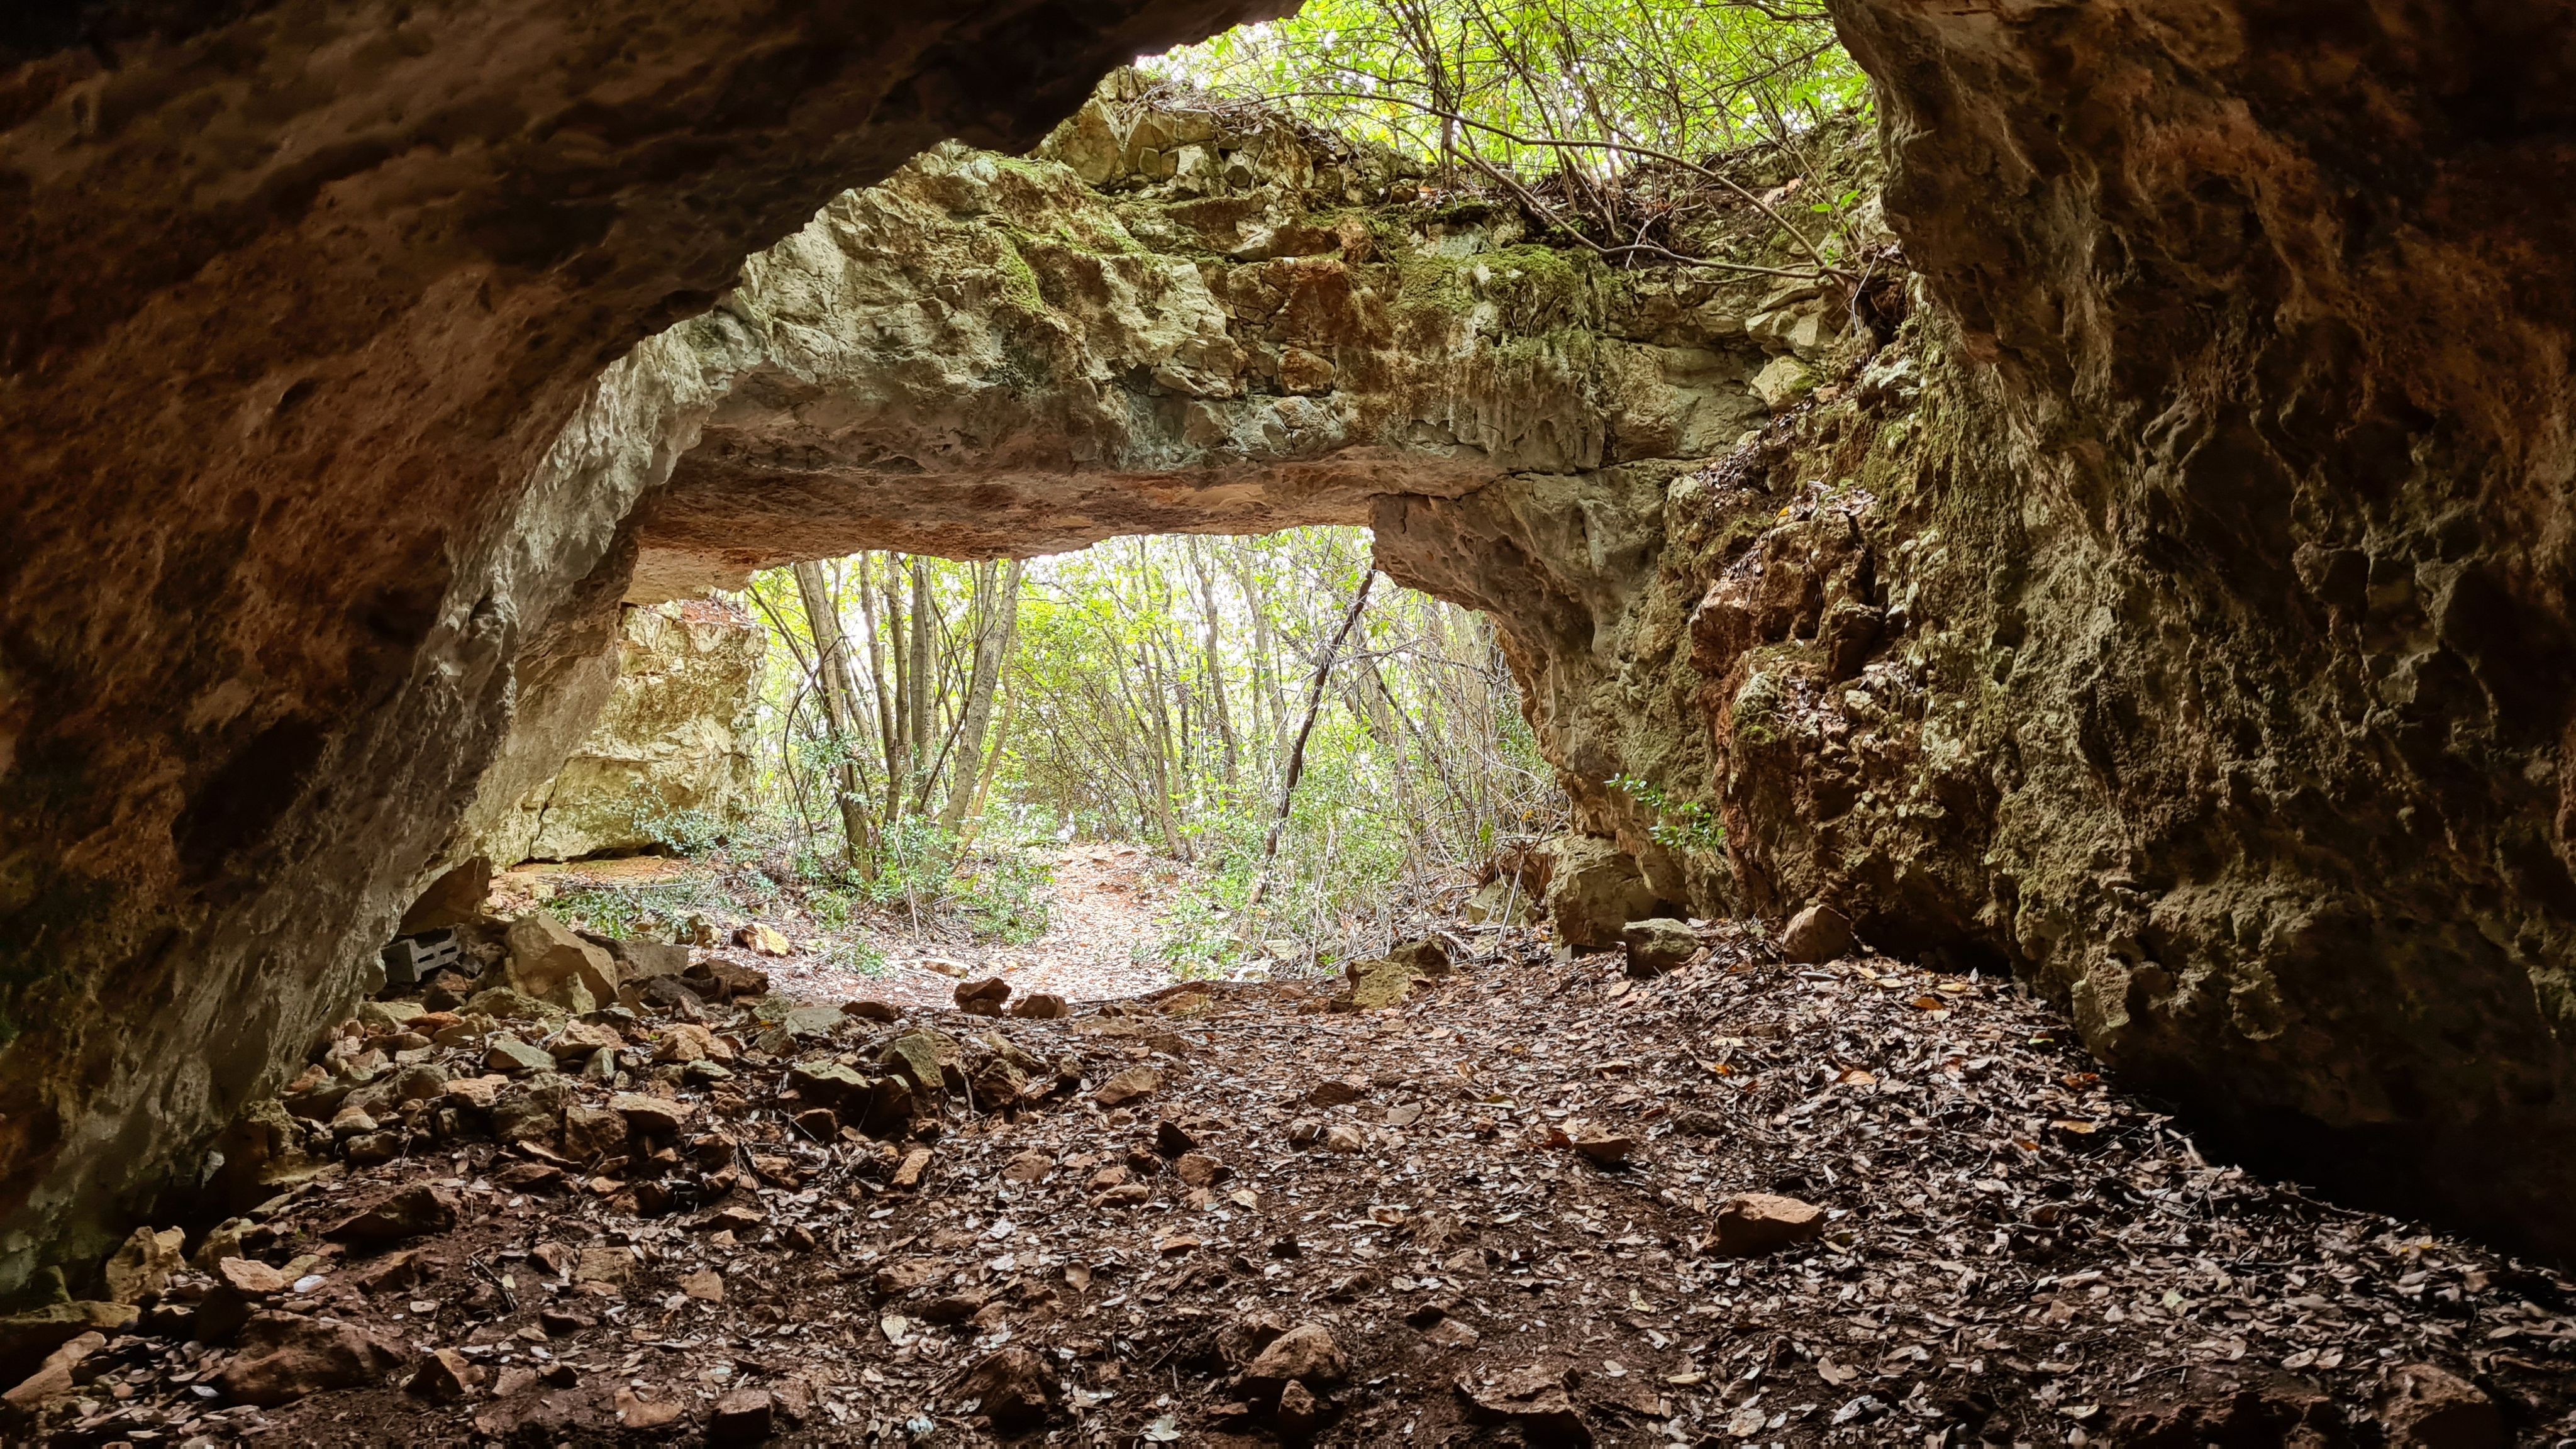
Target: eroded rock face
(302, 298)
(670, 753)
(2249, 572)
(988, 354)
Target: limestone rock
(1595, 891)
(1376, 985)
(1816, 935)
(445, 1376)
(1531, 1397)
(406, 1213)
(2426, 1407)
(763, 940)
(1305, 1354)
(669, 757)
(745, 1416)
(144, 1264)
(453, 899)
(984, 997)
(1013, 1387)
(26, 1338)
(645, 960)
(552, 963)
(53, 1378)
(1783, 382)
(284, 1356)
(1762, 1222)
(652, 1116)
(1133, 1084)
(506, 1053)
(1423, 956)
(1658, 944)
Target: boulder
(138, 1270)
(1041, 1006)
(1658, 944)
(284, 1356)
(984, 997)
(1305, 1354)
(1816, 935)
(1595, 890)
(551, 962)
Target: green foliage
(1002, 894)
(1444, 79)
(1194, 935)
(1149, 693)
(638, 912)
(1679, 825)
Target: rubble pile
(1522, 1199)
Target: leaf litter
(1535, 1201)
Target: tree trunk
(1297, 750)
(840, 709)
(925, 682)
(1215, 663)
(992, 646)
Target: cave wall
(302, 296)
(669, 759)
(2237, 543)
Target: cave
(363, 358)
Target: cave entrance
(1159, 756)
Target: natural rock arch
(2241, 564)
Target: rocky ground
(1535, 1200)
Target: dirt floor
(1101, 898)
(1538, 1201)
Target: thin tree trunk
(925, 681)
(992, 646)
(974, 825)
(1215, 662)
(832, 652)
(1297, 750)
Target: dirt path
(1101, 908)
(1744, 1204)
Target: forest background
(1308, 755)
